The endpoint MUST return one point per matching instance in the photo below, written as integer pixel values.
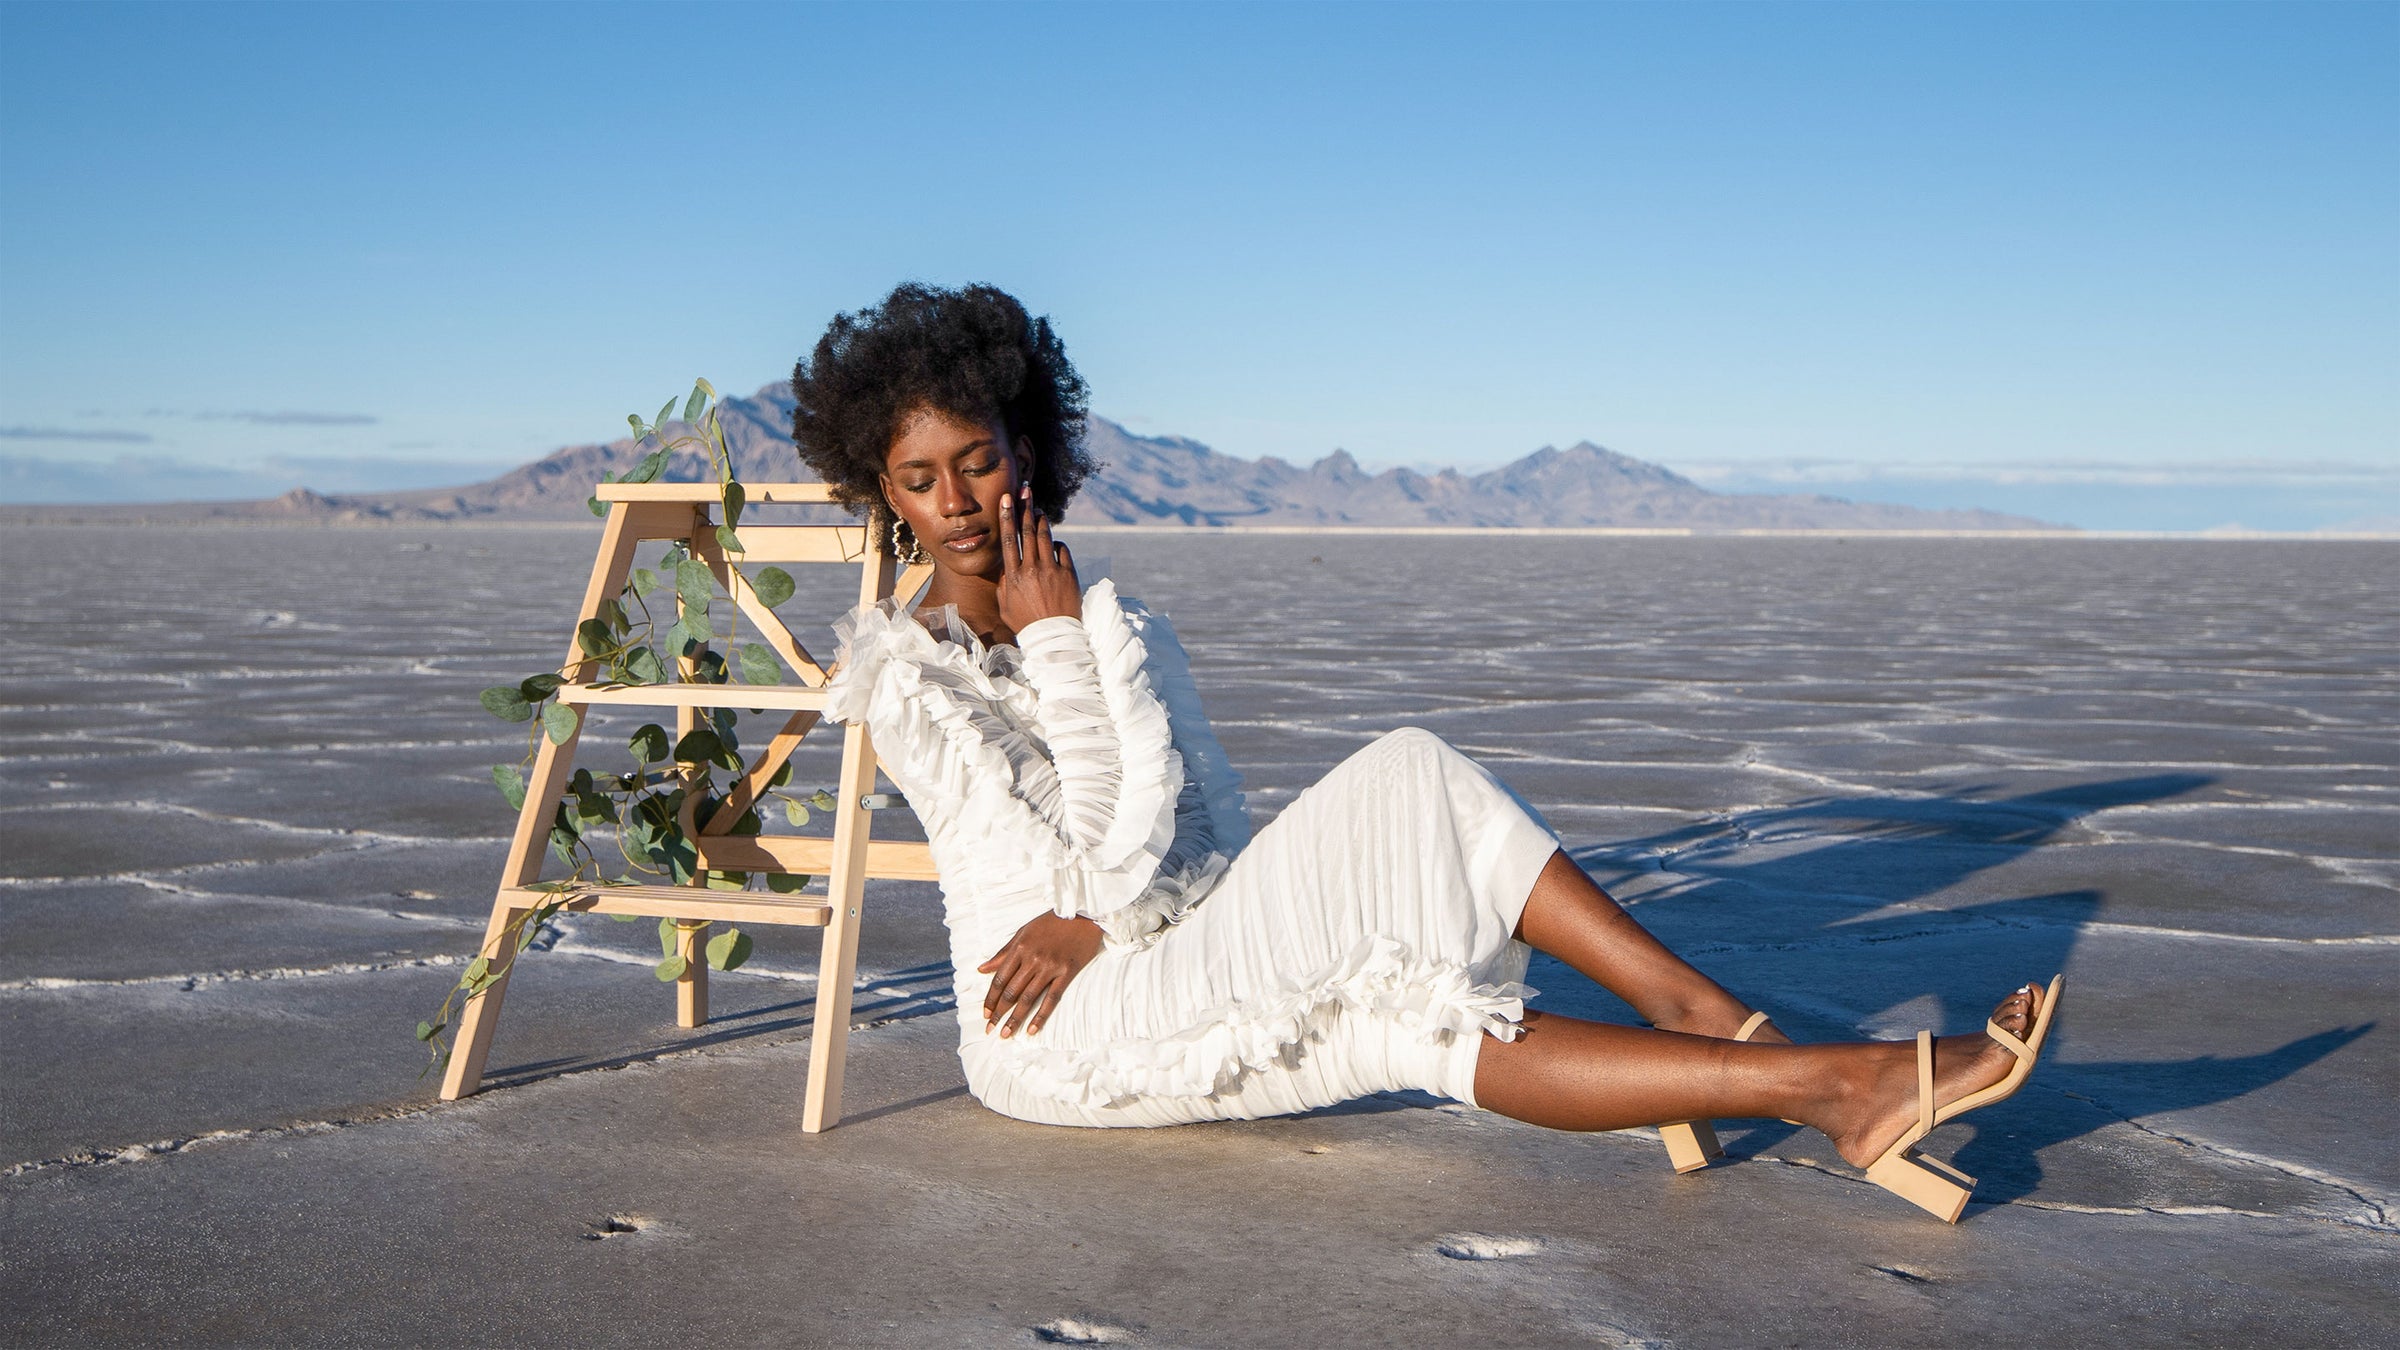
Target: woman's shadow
(1840, 892)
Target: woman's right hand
(1037, 575)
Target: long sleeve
(1063, 792)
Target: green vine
(642, 809)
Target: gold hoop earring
(913, 554)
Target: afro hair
(973, 353)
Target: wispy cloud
(2217, 473)
(65, 434)
(292, 419)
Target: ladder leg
(691, 987)
(837, 967)
(481, 1015)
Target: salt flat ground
(247, 834)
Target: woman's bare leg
(1570, 917)
(1574, 1075)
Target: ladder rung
(709, 493)
(689, 695)
(686, 902)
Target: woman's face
(944, 479)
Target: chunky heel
(1910, 1177)
(1692, 1144)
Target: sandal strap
(2015, 1047)
(1757, 1020)
(1924, 1083)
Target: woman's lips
(968, 542)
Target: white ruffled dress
(1359, 944)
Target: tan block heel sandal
(1929, 1183)
(1692, 1144)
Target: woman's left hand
(1033, 970)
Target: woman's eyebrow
(970, 447)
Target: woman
(1125, 953)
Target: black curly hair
(973, 353)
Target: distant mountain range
(1149, 480)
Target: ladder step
(686, 695)
(686, 902)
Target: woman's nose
(953, 497)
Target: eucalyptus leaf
(728, 881)
(535, 688)
(758, 664)
(729, 541)
(709, 668)
(693, 584)
(511, 782)
(787, 883)
(795, 812)
(665, 412)
(562, 843)
(649, 745)
(652, 465)
(699, 746)
(782, 775)
(644, 666)
(735, 497)
(560, 722)
(426, 1031)
(693, 405)
(613, 614)
(666, 936)
(705, 387)
(644, 581)
(822, 800)
(593, 636)
(634, 420)
(581, 783)
(773, 586)
(670, 970)
(506, 703)
(626, 918)
(749, 823)
(729, 949)
(477, 969)
(596, 506)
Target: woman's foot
(1877, 1104)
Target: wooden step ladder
(681, 512)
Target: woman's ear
(1022, 450)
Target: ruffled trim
(944, 726)
(1379, 977)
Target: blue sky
(2132, 266)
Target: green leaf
(698, 746)
(596, 506)
(560, 721)
(613, 614)
(672, 555)
(506, 703)
(426, 1031)
(794, 812)
(729, 949)
(694, 585)
(782, 775)
(758, 664)
(773, 585)
(749, 823)
(670, 970)
(708, 668)
(822, 800)
(644, 581)
(634, 420)
(593, 636)
(787, 883)
(649, 745)
(693, 405)
(581, 783)
(652, 465)
(665, 411)
(644, 666)
(666, 936)
(535, 688)
(511, 782)
(477, 969)
(625, 918)
(728, 881)
(729, 541)
(735, 497)
(562, 843)
(705, 387)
